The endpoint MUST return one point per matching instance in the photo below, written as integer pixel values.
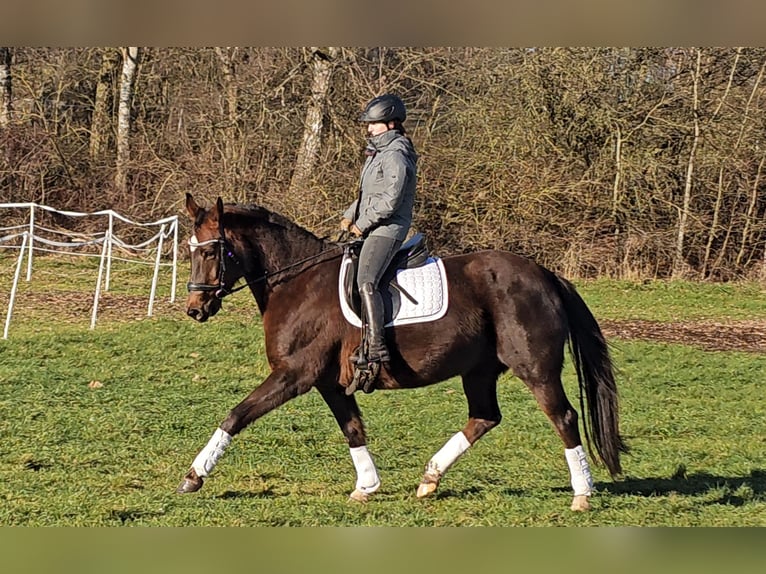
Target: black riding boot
(367, 364)
(372, 303)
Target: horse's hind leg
(480, 389)
(553, 401)
(349, 418)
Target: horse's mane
(271, 217)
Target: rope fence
(32, 237)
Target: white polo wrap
(582, 481)
(208, 456)
(367, 479)
(448, 454)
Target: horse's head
(214, 268)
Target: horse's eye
(208, 254)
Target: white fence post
(98, 285)
(156, 270)
(15, 285)
(31, 240)
(109, 250)
(175, 261)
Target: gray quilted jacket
(387, 185)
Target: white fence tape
(33, 238)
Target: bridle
(225, 252)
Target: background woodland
(630, 163)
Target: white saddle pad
(426, 284)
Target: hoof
(428, 486)
(359, 496)
(426, 489)
(191, 483)
(580, 503)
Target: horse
(505, 312)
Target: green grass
(674, 300)
(112, 456)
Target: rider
(382, 213)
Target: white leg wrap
(582, 481)
(448, 454)
(208, 456)
(367, 479)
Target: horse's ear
(219, 214)
(191, 206)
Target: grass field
(99, 426)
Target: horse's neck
(285, 247)
(279, 250)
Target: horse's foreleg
(346, 412)
(205, 461)
(367, 479)
(278, 388)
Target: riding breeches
(374, 257)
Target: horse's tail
(595, 375)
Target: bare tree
(100, 124)
(130, 57)
(231, 155)
(683, 216)
(751, 212)
(322, 66)
(6, 91)
(731, 151)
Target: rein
(225, 251)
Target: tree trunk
(6, 91)
(231, 154)
(617, 177)
(751, 211)
(130, 58)
(713, 232)
(763, 268)
(714, 224)
(678, 259)
(100, 124)
(308, 152)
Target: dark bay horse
(505, 312)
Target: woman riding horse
(505, 313)
(382, 214)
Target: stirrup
(369, 382)
(364, 375)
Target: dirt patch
(747, 336)
(76, 306)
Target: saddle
(420, 274)
(413, 288)
(412, 254)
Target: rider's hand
(345, 224)
(355, 231)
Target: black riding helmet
(385, 108)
